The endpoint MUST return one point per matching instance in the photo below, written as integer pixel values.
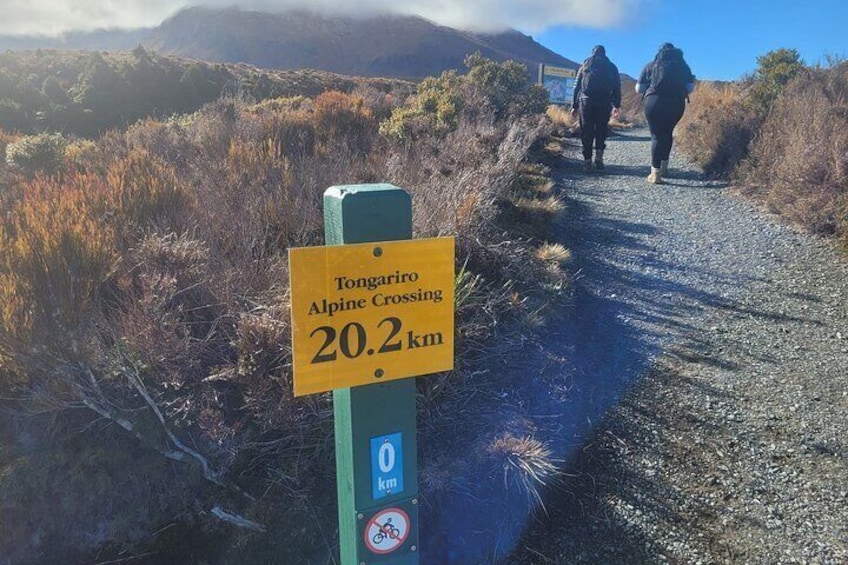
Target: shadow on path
(633, 303)
(635, 298)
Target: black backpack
(669, 76)
(596, 78)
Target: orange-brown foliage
(717, 128)
(343, 120)
(142, 193)
(157, 262)
(56, 252)
(799, 160)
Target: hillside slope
(391, 46)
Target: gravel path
(714, 340)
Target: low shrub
(717, 128)
(33, 154)
(506, 84)
(799, 161)
(146, 288)
(55, 253)
(434, 110)
(343, 122)
(781, 134)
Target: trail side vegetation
(85, 93)
(781, 135)
(145, 361)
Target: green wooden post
(365, 414)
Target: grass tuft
(525, 463)
(553, 253)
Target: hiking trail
(710, 340)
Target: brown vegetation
(798, 164)
(87, 93)
(781, 135)
(717, 128)
(145, 312)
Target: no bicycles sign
(386, 531)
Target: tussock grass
(524, 463)
(540, 184)
(533, 216)
(554, 253)
(144, 286)
(535, 169)
(550, 206)
(562, 117)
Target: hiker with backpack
(597, 93)
(665, 85)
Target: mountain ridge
(388, 45)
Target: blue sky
(721, 39)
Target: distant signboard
(559, 81)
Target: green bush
(506, 88)
(774, 71)
(434, 108)
(507, 85)
(42, 153)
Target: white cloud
(50, 17)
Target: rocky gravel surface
(715, 338)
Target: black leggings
(662, 113)
(594, 117)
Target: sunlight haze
(52, 17)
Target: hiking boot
(599, 159)
(664, 168)
(587, 166)
(656, 176)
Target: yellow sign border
(391, 303)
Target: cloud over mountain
(51, 17)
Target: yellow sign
(371, 312)
(560, 72)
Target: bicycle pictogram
(387, 530)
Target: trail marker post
(370, 309)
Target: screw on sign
(386, 530)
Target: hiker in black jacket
(597, 92)
(665, 84)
